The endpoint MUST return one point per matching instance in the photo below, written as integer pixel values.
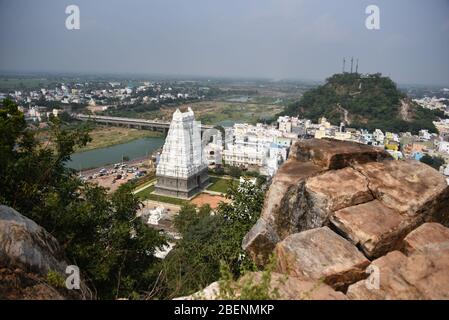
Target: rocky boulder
(25, 244)
(422, 274)
(355, 189)
(409, 187)
(281, 287)
(321, 254)
(373, 227)
(28, 253)
(334, 154)
(429, 235)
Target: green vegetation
(148, 194)
(20, 84)
(371, 102)
(434, 162)
(99, 232)
(247, 288)
(103, 136)
(219, 184)
(208, 241)
(55, 279)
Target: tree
(235, 172)
(99, 232)
(208, 241)
(434, 162)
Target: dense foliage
(369, 101)
(99, 232)
(209, 241)
(434, 162)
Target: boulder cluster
(29, 258)
(364, 226)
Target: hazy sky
(301, 39)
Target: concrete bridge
(154, 125)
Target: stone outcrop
(321, 254)
(281, 287)
(422, 274)
(25, 244)
(372, 226)
(410, 187)
(336, 211)
(334, 154)
(428, 235)
(27, 254)
(297, 198)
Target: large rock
(25, 244)
(334, 154)
(281, 287)
(321, 254)
(410, 187)
(282, 205)
(260, 241)
(27, 254)
(331, 191)
(298, 198)
(373, 227)
(421, 276)
(281, 210)
(432, 235)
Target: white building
(443, 147)
(182, 169)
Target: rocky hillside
(367, 101)
(32, 264)
(337, 212)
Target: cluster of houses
(434, 103)
(97, 100)
(265, 147)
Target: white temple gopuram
(182, 171)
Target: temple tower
(182, 171)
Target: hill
(364, 101)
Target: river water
(113, 154)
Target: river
(113, 154)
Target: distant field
(103, 136)
(6, 83)
(214, 112)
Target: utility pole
(344, 64)
(352, 63)
(357, 66)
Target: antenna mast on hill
(344, 64)
(357, 66)
(352, 63)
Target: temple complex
(182, 170)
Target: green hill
(363, 101)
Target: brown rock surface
(283, 200)
(27, 254)
(331, 191)
(260, 241)
(281, 287)
(432, 235)
(410, 187)
(421, 276)
(334, 154)
(373, 227)
(321, 254)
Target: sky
(275, 39)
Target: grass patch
(148, 194)
(219, 184)
(103, 136)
